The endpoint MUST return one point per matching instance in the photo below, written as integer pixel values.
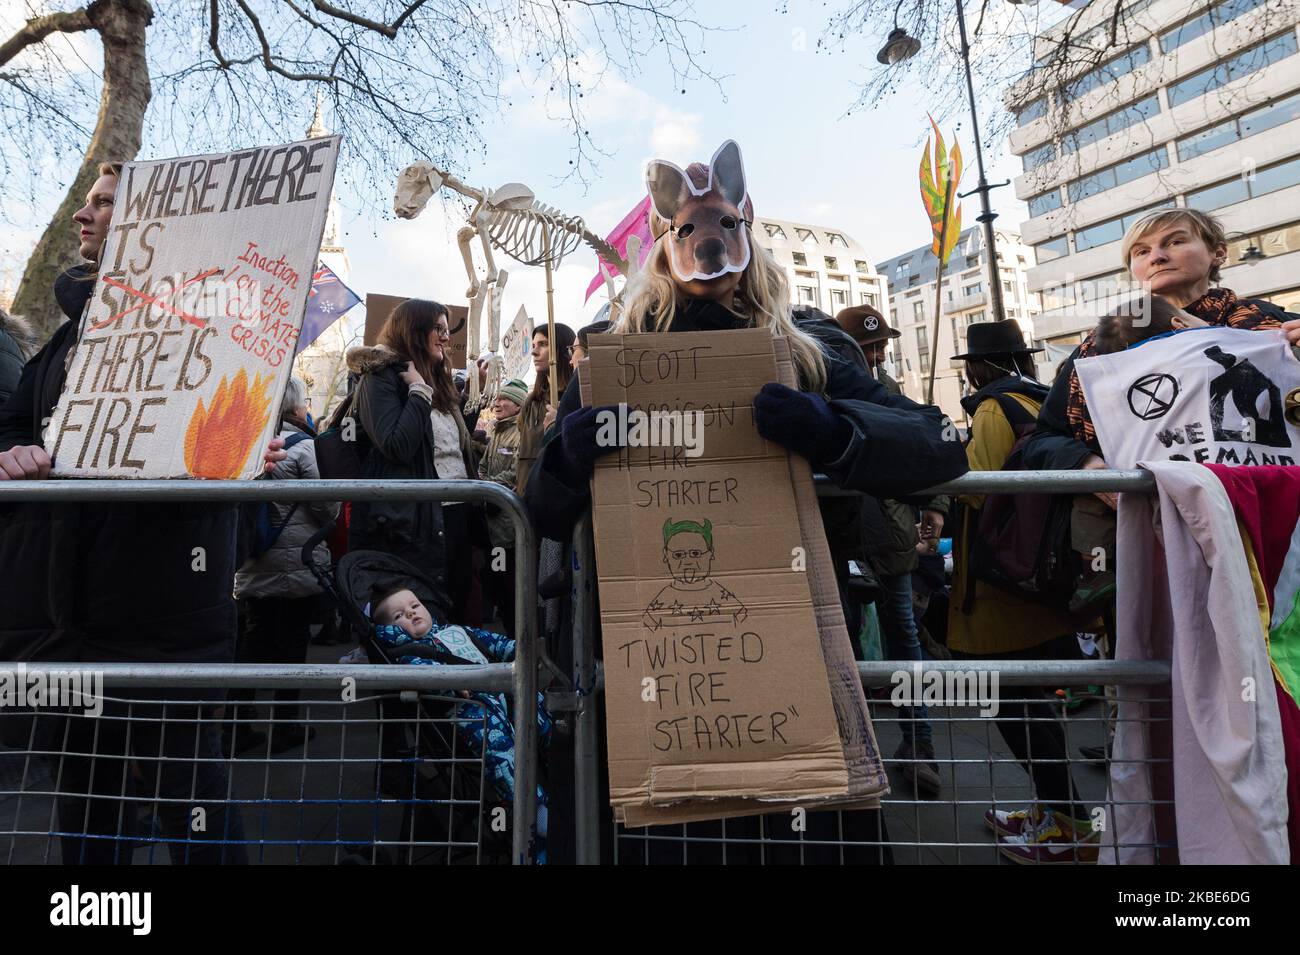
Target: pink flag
(635, 223)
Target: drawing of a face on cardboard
(689, 557)
(705, 211)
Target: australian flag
(328, 299)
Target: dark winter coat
(897, 448)
(107, 581)
(17, 343)
(397, 444)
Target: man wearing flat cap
(868, 328)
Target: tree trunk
(121, 25)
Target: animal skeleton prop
(511, 219)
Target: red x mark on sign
(147, 299)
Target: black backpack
(1021, 542)
(338, 451)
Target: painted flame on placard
(934, 179)
(220, 436)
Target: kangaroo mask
(706, 211)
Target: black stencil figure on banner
(1246, 385)
(693, 597)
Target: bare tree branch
(388, 31)
(38, 28)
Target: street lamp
(899, 47)
(1253, 255)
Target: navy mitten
(802, 422)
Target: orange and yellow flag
(934, 179)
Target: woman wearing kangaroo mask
(704, 273)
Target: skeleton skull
(415, 187)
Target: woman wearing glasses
(408, 410)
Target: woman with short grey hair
(276, 593)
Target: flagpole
(938, 287)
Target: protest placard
(723, 697)
(379, 307)
(188, 339)
(1210, 395)
(517, 345)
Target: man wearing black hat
(891, 542)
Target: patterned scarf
(1218, 306)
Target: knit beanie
(514, 390)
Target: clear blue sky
(781, 100)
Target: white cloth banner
(1208, 395)
(185, 349)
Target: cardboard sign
(517, 345)
(379, 307)
(187, 342)
(1210, 395)
(730, 683)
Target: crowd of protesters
(107, 581)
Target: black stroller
(442, 785)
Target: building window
(839, 297)
(1117, 175)
(869, 298)
(774, 231)
(834, 238)
(1124, 63)
(974, 318)
(805, 235)
(832, 264)
(862, 267)
(1247, 124)
(807, 295)
(1052, 249)
(1110, 124)
(799, 258)
(923, 350)
(1037, 157)
(1035, 110)
(913, 280)
(975, 289)
(972, 261)
(1199, 26)
(1241, 64)
(1041, 205)
(1111, 230)
(1270, 179)
(1007, 286)
(918, 311)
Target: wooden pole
(938, 289)
(550, 318)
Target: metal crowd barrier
(977, 768)
(184, 698)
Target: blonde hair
(763, 296)
(1206, 227)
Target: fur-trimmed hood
(21, 331)
(367, 358)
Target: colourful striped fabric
(1267, 504)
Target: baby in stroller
(399, 614)
(407, 632)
